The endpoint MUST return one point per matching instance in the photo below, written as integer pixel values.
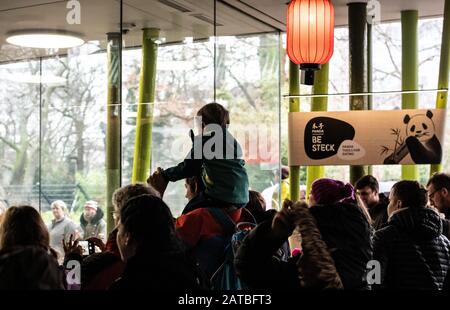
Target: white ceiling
(234, 17)
(390, 9)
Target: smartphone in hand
(87, 246)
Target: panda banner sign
(366, 137)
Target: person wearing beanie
(329, 191)
(345, 227)
(312, 267)
(92, 222)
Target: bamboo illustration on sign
(398, 153)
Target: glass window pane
(55, 91)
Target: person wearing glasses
(439, 196)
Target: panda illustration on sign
(421, 141)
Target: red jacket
(200, 224)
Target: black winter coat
(258, 265)
(164, 271)
(412, 252)
(345, 231)
(348, 235)
(446, 224)
(30, 268)
(378, 213)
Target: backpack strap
(228, 225)
(252, 218)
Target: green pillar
(144, 122)
(444, 68)
(113, 124)
(369, 75)
(357, 25)
(294, 106)
(410, 73)
(318, 104)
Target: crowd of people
(343, 228)
(61, 227)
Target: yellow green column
(318, 104)
(410, 73)
(294, 171)
(113, 124)
(444, 68)
(294, 106)
(144, 121)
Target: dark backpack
(225, 277)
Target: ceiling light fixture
(44, 39)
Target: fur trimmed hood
(98, 216)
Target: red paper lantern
(310, 32)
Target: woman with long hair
(149, 246)
(26, 259)
(23, 226)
